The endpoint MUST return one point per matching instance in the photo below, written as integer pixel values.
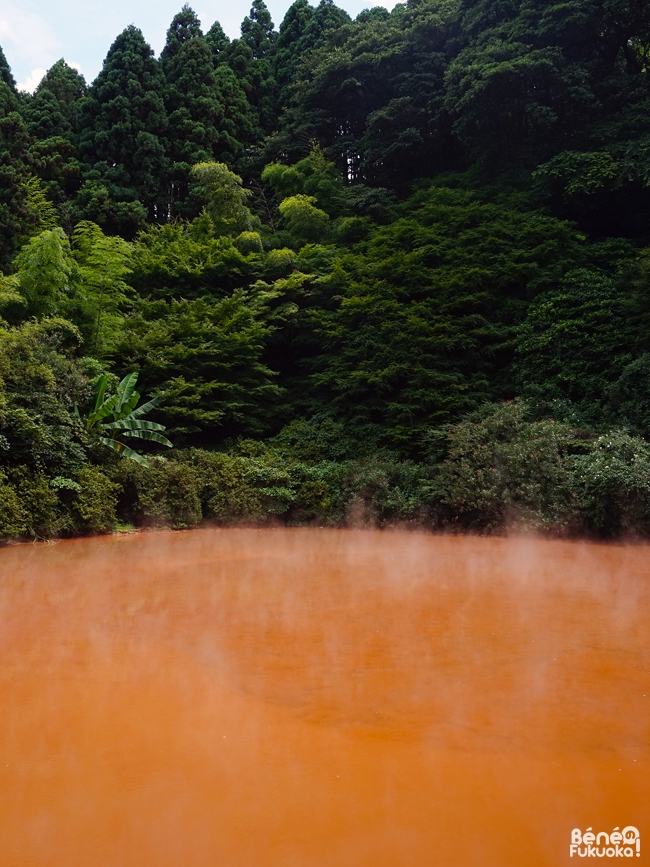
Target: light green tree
(225, 197)
(45, 272)
(103, 262)
(304, 220)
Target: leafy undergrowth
(498, 470)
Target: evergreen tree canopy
(251, 58)
(193, 104)
(51, 115)
(287, 46)
(258, 32)
(218, 42)
(123, 120)
(5, 73)
(15, 217)
(371, 93)
(185, 26)
(53, 109)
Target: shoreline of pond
(510, 533)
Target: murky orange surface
(317, 698)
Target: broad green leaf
(106, 409)
(125, 451)
(126, 389)
(130, 405)
(102, 384)
(152, 436)
(146, 407)
(133, 424)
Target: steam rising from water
(312, 697)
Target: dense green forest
(390, 269)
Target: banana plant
(115, 417)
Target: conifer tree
(240, 125)
(15, 214)
(327, 16)
(191, 102)
(257, 31)
(218, 42)
(287, 54)
(51, 115)
(52, 110)
(251, 59)
(185, 26)
(123, 121)
(5, 73)
(303, 29)
(209, 116)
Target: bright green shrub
(613, 484)
(95, 504)
(249, 242)
(248, 486)
(384, 491)
(44, 515)
(13, 518)
(166, 494)
(502, 467)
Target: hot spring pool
(320, 698)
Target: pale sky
(34, 34)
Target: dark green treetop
(53, 109)
(185, 26)
(371, 93)
(303, 29)
(287, 46)
(192, 102)
(15, 216)
(123, 123)
(251, 58)
(218, 42)
(51, 115)
(5, 72)
(257, 30)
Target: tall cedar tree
(288, 44)
(51, 115)
(240, 126)
(251, 59)
(5, 73)
(218, 42)
(124, 122)
(192, 102)
(14, 167)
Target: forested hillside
(389, 269)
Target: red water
(320, 698)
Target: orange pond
(320, 698)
